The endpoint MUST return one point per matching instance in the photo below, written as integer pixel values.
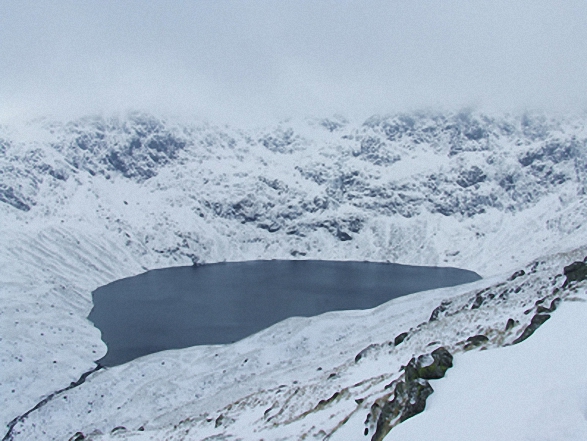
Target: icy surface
(87, 202)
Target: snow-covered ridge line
(300, 188)
(86, 202)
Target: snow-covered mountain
(90, 201)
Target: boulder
(536, 322)
(430, 366)
(575, 272)
(409, 400)
(400, 338)
(517, 274)
(410, 395)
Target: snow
(91, 220)
(279, 368)
(536, 390)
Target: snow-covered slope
(535, 391)
(87, 202)
(331, 376)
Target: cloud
(258, 59)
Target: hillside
(90, 201)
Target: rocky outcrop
(429, 367)
(410, 393)
(475, 341)
(575, 272)
(536, 322)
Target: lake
(218, 303)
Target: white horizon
(261, 61)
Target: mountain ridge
(90, 201)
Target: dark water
(225, 302)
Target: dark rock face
(517, 274)
(410, 395)
(535, 323)
(547, 310)
(140, 146)
(374, 150)
(468, 178)
(510, 324)
(9, 196)
(479, 300)
(429, 367)
(147, 146)
(409, 400)
(342, 236)
(553, 151)
(439, 310)
(417, 392)
(365, 351)
(475, 341)
(400, 338)
(575, 272)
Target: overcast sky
(254, 59)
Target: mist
(256, 60)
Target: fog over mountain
(232, 61)
(141, 135)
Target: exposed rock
(475, 341)
(417, 392)
(575, 272)
(409, 400)
(9, 196)
(510, 324)
(430, 366)
(343, 236)
(281, 141)
(468, 178)
(78, 436)
(410, 395)
(553, 305)
(479, 299)
(400, 338)
(536, 322)
(323, 403)
(194, 258)
(439, 310)
(365, 351)
(517, 274)
(272, 227)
